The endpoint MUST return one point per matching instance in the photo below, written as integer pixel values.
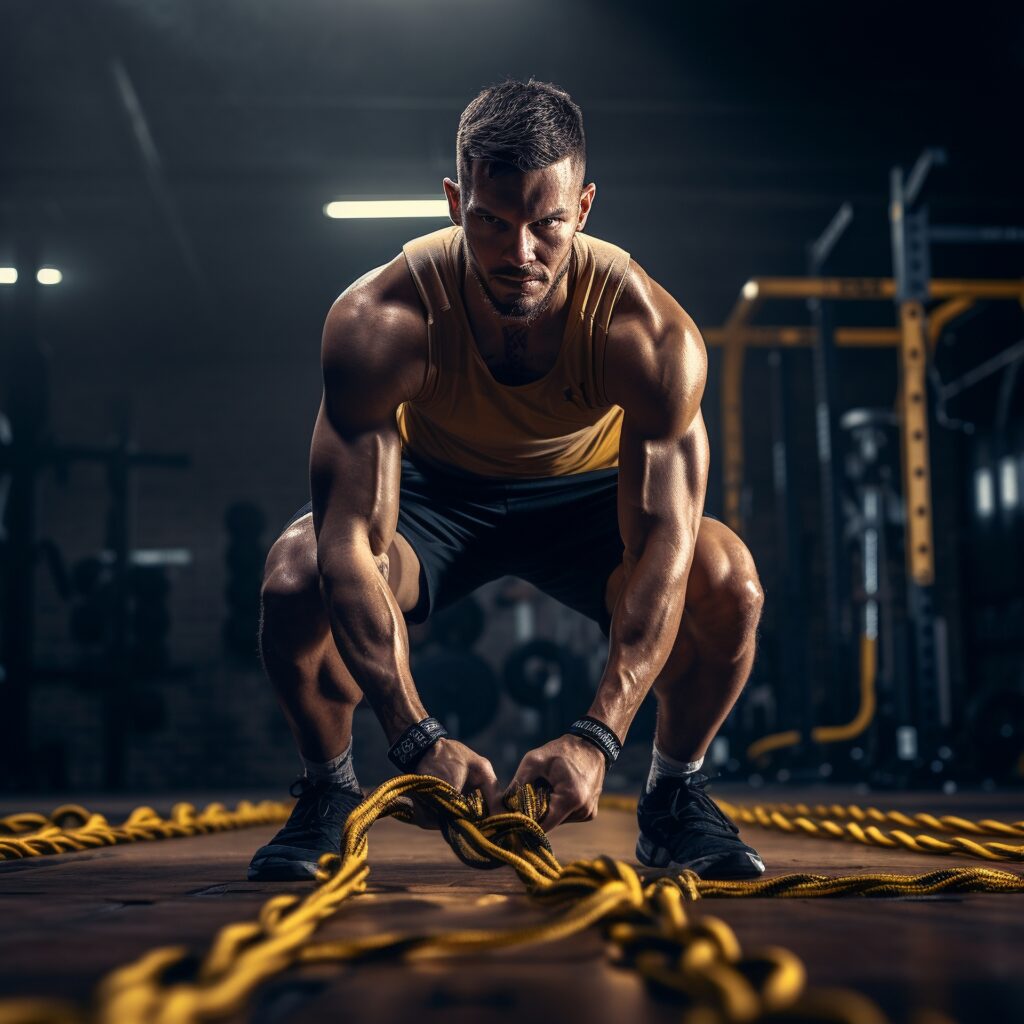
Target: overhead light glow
(8, 275)
(49, 275)
(1009, 492)
(750, 290)
(984, 493)
(358, 209)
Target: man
(509, 396)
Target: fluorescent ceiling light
(49, 275)
(984, 492)
(1008, 490)
(8, 275)
(377, 208)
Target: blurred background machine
(909, 714)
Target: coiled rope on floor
(857, 825)
(872, 835)
(935, 823)
(71, 827)
(646, 923)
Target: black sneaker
(312, 829)
(682, 827)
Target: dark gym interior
(833, 193)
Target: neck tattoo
(515, 346)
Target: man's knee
(292, 612)
(743, 585)
(734, 587)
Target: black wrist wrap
(415, 742)
(593, 731)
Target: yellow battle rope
(71, 827)
(934, 823)
(819, 826)
(796, 819)
(700, 961)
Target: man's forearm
(645, 624)
(371, 636)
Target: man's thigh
(573, 548)
(296, 550)
(714, 551)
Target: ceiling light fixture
(49, 275)
(360, 209)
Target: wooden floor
(64, 921)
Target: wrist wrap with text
(593, 731)
(415, 742)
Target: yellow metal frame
(917, 485)
(795, 337)
(917, 334)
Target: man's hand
(573, 770)
(463, 769)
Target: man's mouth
(521, 283)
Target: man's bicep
(662, 483)
(354, 481)
(355, 456)
(659, 368)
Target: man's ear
(586, 201)
(454, 196)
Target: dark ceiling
(173, 156)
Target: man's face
(518, 230)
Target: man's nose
(522, 252)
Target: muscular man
(510, 396)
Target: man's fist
(573, 770)
(463, 769)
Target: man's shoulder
(647, 311)
(389, 287)
(392, 289)
(651, 337)
(378, 324)
(435, 245)
(602, 248)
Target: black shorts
(559, 533)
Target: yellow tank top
(465, 421)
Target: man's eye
(548, 222)
(487, 218)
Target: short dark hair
(521, 126)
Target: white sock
(663, 767)
(339, 770)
